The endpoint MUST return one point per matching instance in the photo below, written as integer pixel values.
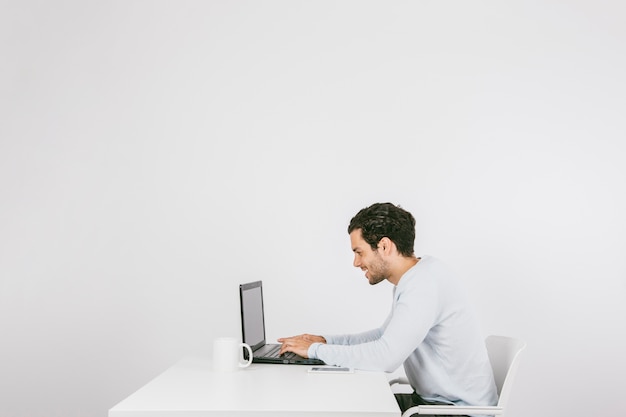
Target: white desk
(191, 388)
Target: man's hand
(299, 344)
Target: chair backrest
(504, 354)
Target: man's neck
(404, 264)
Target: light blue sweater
(433, 331)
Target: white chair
(504, 354)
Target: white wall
(153, 155)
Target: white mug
(227, 354)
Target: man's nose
(357, 262)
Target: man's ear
(386, 245)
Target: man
(431, 328)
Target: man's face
(370, 261)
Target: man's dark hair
(386, 220)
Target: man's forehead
(356, 238)
(356, 234)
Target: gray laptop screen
(252, 321)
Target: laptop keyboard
(274, 353)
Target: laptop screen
(252, 320)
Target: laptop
(253, 329)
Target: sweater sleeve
(354, 339)
(385, 348)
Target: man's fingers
(286, 339)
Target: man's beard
(379, 272)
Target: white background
(154, 155)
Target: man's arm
(300, 344)
(382, 349)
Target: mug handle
(246, 364)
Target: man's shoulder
(429, 269)
(429, 265)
